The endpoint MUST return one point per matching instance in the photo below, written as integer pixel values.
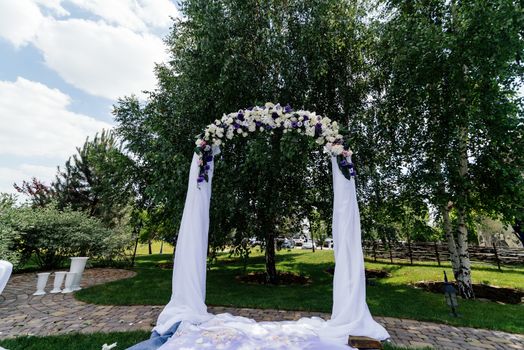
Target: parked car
(288, 244)
(328, 243)
(298, 242)
(308, 245)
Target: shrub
(8, 236)
(52, 236)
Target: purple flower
(350, 165)
(240, 116)
(274, 115)
(269, 127)
(200, 179)
(209, 158)
(294, 124)
(288, 109)
(258, 123)
(306, 117)
(207, 167)
(236, 126)
(343, 163)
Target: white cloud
(19, 21)
(36, 121)
(158, 13)
(24, 172)
(132, 14)
(100, 59)
(109, 57)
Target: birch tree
(451, 72)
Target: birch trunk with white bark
(464, 267)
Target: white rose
(337, 149)
(310, 131)
(252, 127)
(244, 134)
(239, 131)
(261, 129)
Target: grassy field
(92, 341)
(389, 297)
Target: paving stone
(22, 313)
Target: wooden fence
(438, 252)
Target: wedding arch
(350, 313)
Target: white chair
(5, 272)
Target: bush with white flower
(271, 118)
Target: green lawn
(389, 297)
(93, 341)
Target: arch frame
(271, 118)
(350, 313)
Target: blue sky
(63, 64)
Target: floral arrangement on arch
(270, 118)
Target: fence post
(437, 254)
(374, 251)
(496, 256)
(410, 251)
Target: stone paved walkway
(22, 314)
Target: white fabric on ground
(350, 312)
(227, 332)
(5, 272)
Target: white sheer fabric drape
(189, 269)
(350, 313)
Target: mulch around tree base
(284, 278)
(482, 291)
